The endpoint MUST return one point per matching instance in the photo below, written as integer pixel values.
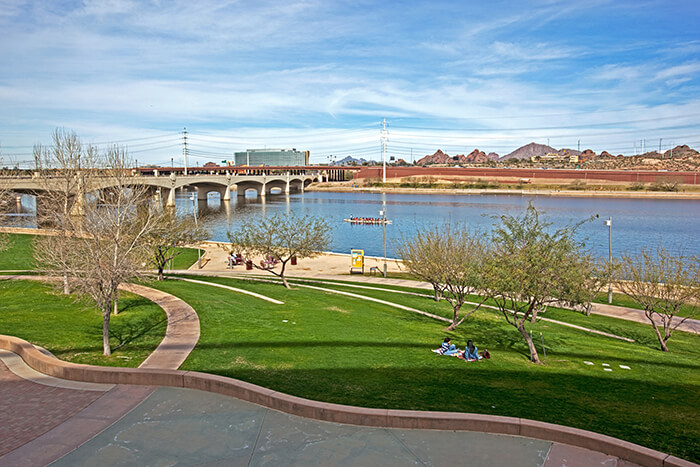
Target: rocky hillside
(536, 150)
(441, 158)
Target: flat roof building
(271, 157)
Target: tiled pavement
(30, 409)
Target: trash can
(294, 260)
(249, 265)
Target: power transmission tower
(384, 150)
(184, 148)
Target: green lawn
(72, 329)
(335, 348)
(185, 259)
(345, 350)
(19, 254)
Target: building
(271, 157)
(556, 157)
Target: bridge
(165, 182)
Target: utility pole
(609, 224)
(184, 148)
(660, 145)
(579, 145)
(643, 141)
(635, 147)
(384, 151)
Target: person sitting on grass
(448, 349)
(471, 353)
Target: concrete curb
(341, 413)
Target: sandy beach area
(216, 259)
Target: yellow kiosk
(357, 261)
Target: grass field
(329, 347)
(20, 254)
(72, 329)
(334, 348)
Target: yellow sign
(357, 259)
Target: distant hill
(528, 151)
(349, 161)
(442, 158)
(681, 151)
(538, 150)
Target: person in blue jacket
(448, 349)
(471, 353)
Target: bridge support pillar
(263, 190)
(201, 194)
(171, 198)
(286, 188)
(227, 193)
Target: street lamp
(193, 198)
(608, 222)
(383, 214)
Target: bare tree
(281, 238)
(5, 203)
(99, 241)
(661, 283)
(452, 259)
(168, 235)
(66, 173)
(531, 267)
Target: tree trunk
(105, 333)
(662, 341)
(160, 273)
(437, 294)
(534, 358)
(66, 285)
(116, 304)
(455, 318)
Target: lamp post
(608, 222)
(383, 214)
(193, 198)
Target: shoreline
(533, 192)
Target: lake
(636, 222)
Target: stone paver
(29, 409)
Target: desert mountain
(440, 157)
(537, 150)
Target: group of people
(470, 353)
(367, 220)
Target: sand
(215, 259)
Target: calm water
(636, 222)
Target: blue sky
(321, 75)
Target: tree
(282, 237)
(421, 256)
(451, 259)
(66, 174)
(100, 245)
(5, 204)
(169, 233)
(661, 283)
(531, 267)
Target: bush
(666, 184)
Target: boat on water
(368, 220)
